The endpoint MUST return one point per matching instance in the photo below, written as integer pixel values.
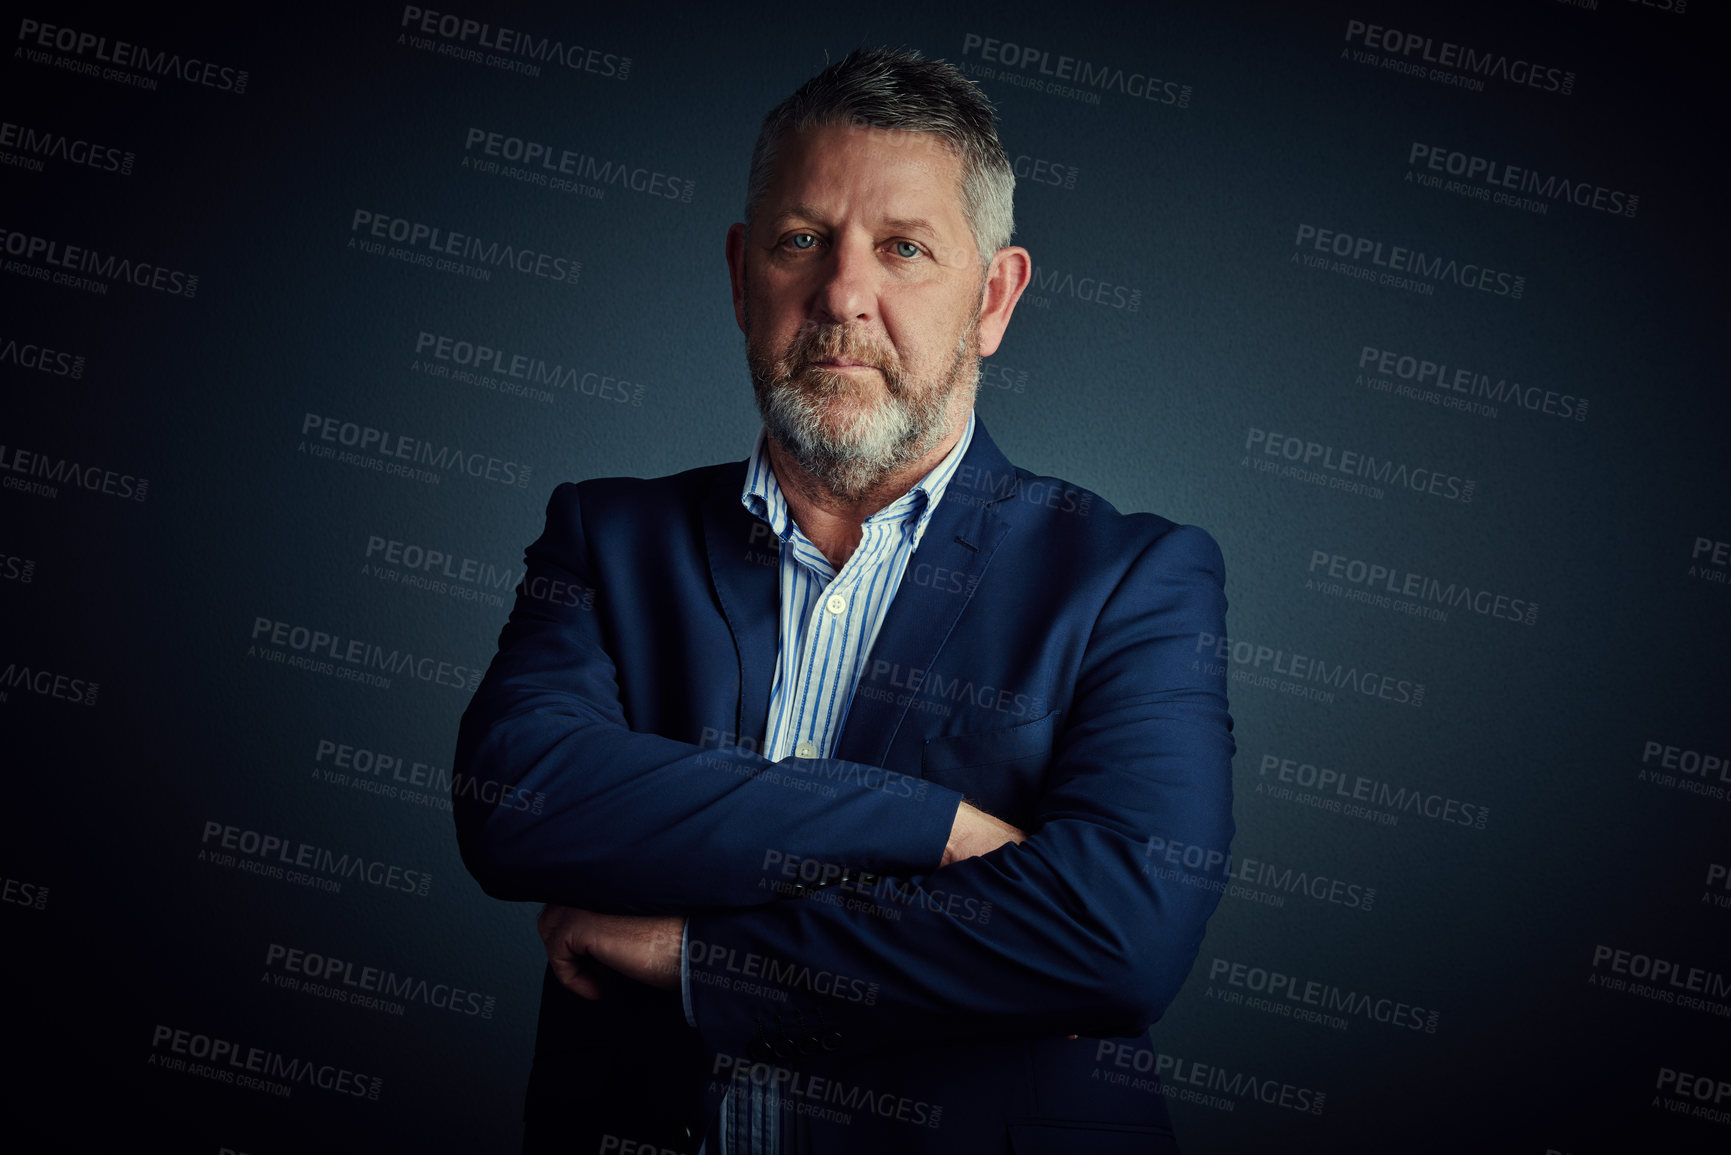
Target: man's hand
(640, 947)
(975, 832)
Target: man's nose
(847, 290)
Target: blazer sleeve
(557, 799)
(1085, 928)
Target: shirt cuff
(685, 975)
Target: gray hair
(901, 91)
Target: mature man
(853, 753)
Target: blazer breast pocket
(999, 770)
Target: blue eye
(903, 249)
(797, 238)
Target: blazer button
(831, 1041)
(808, 1045)
(760, 1051)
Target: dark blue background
(1196, 207)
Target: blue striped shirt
(828, 622)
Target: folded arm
(636, 823)
(1074, 929)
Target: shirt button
(805, 750)
(836, 604)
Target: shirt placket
(827, 634)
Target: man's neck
(833, 523)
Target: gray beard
(794, 398)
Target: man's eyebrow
(894, 224)
(911, 225)
(801, 212)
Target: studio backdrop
(1418, 308)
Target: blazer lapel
(963, 534)
(744, 561)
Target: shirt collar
(762, 495)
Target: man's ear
(1006, 277)
(736, 271)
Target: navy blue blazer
(1044, 658)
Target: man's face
(861, 302)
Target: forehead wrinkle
(834, 154)
(895, 224)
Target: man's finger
(576, 975)
(557, 945)
(554, 920)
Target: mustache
(838, 342)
